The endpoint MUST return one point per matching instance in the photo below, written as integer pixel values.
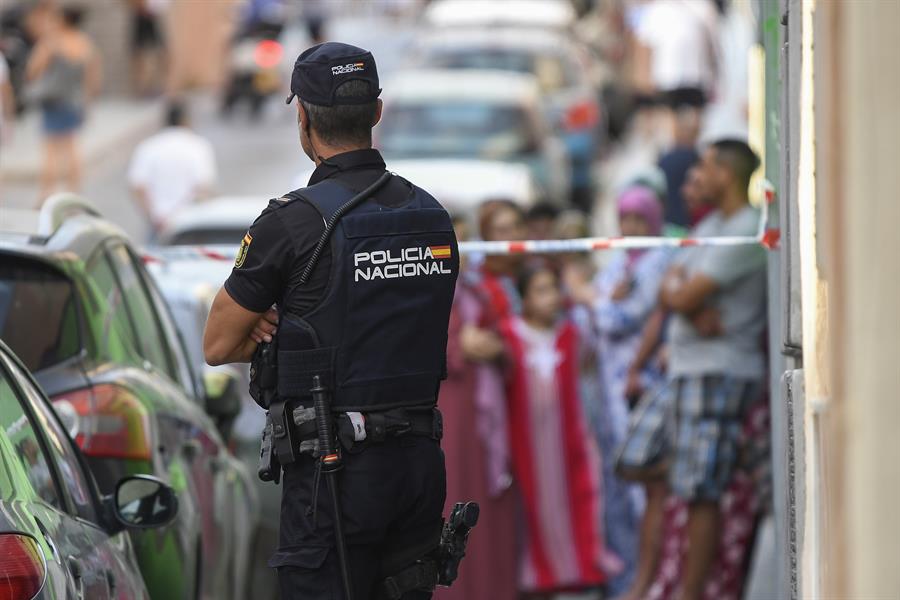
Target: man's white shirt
(172, 166)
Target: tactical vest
(378, 336)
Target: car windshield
(464, 129)
(552, 72)
(207, 237)
(38, 314)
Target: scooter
(255, 72)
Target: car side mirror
(143, 502)
(223, 397)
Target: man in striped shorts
(717, 297)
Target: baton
(331, 464)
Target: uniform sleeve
(266, 253)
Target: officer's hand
(265, 327)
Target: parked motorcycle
(255, 67)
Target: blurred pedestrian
(541, 220)
(64, 72)
(694, 194)
(677, 55)
(501, 220)
(7, 101)
(147, 46)
(555, 460)
(171, 169)
(676, 162)
(716, 362)
(622, 298)
(490, 571)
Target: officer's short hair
(344, 124)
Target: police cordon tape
(769, 239)
(766, 237)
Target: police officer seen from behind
(351, 280)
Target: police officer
(353, 277)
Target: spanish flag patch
(440, 251)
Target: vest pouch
(300, 358)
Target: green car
(58, 537)
(81, 312)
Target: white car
(461, 185)
(549, 14)
(563, 68)
(222, 220)
(475, 115)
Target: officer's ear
(378, 105)
(302, 118)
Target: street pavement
(255, 158)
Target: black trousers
(392, 497)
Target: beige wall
(857, 249)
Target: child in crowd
(621, 300)
(555, 461)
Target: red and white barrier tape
(766, 237)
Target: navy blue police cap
(320, 70)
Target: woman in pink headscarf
(622, 298)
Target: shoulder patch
(242, 251)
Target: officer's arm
(233, 332)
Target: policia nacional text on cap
(340, 295)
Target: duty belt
(362, 429)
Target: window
(464, 128)
(75, 485)
(150, 341)
(38, 313)
(17, 430)
(107, 314)
(172, 338)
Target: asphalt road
(255, 158)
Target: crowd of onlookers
(609, 412)
(602, 417)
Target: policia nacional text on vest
(365, 364)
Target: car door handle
(77, 571)
(191, 449)
(48, 538)
(111, 582)
(75, 567)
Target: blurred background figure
(64, 73)
(255, 57)
(171, 169)
(470, 413)
(7, 101)
(148, 49)
(315, 13)
(676, 56)
(621, 300)
(554, 456)
(677, 160)
(541, 220)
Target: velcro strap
(402, 421)
(421, 576)
(296, 368)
